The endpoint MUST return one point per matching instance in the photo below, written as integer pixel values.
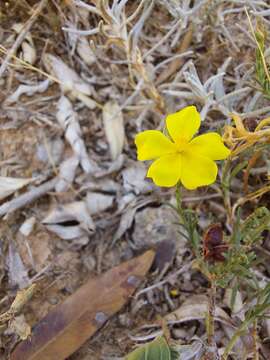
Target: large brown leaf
(71, 323)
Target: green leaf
(174, 354)
(255, 224)
(157, 349)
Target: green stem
(242, 330)
(255, 340)
(211, 313)
(178, 196)
(233, 340)
(210, 323)
(225, 186)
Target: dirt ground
(78, 81)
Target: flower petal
(197, 170)
(209, 145)
(166, 170)
(184, 123)
(152, 144)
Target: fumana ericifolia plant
(181, 159)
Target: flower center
(181, 144)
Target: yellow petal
(197, 170)
(166, 170)
(183, 124)
(152, 144)
(209, 145)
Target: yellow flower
(181, 158)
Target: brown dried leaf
(71, 323)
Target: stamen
(181, 144)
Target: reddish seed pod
(213, 244)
